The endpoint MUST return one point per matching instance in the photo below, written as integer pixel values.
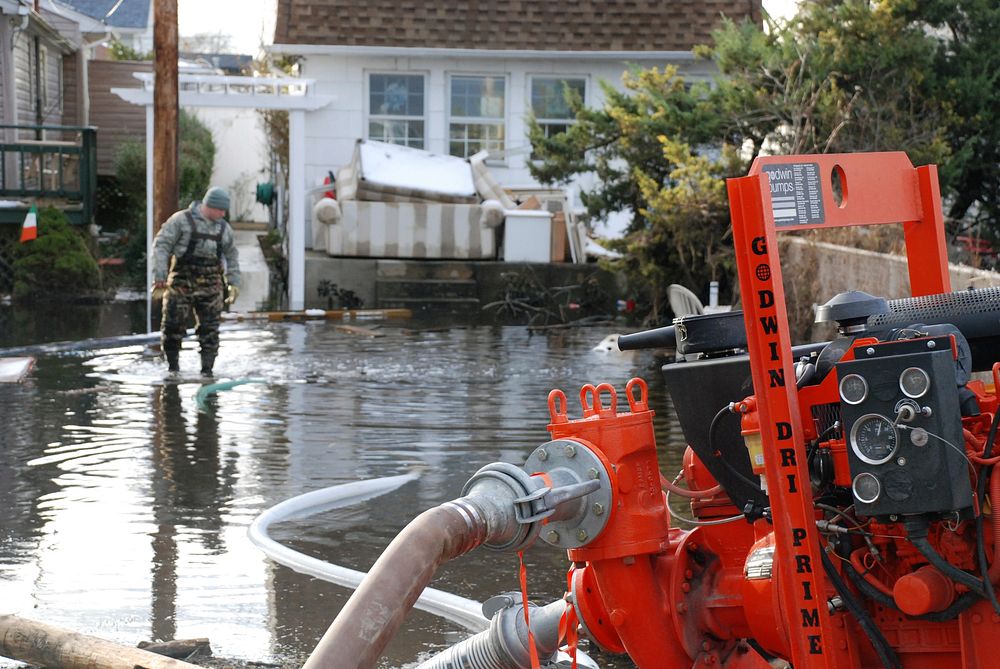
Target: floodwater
(125, 507)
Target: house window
(477, 109)
(396, 109)
(548, 102)
(38, 79)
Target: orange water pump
(841, 493)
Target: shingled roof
(545, 25)
(126, 14)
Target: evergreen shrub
(56, 266)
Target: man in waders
(193, 242)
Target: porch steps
(425, 269)
(438, 288)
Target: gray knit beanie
(216, 198)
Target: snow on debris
(404, 167)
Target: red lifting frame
(874, 188)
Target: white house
(460, 76)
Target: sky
(248, 21)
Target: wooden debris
(357, 330)
(531, 203)
(181, 649)
(49, 646)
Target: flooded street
(126, 507)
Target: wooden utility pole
(165, 111)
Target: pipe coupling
(502, 495)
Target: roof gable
(538, 25)
(129, 14)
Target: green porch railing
(60, 170)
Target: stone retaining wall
(815, 271)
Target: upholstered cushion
(410, 230)
(486, 185)
(493, 213)
(347, 183)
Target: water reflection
(189, 480)
(21, 325)
(128, 507)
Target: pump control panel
(902, 421)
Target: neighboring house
(233, 64)
(128, 21)
(459, 77)
(42, 83)
(46, 69)
(41, 67)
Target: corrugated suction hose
(505, 644)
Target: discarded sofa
(397, 202)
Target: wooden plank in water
(356, 330)
(49, 646)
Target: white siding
(53, 109)
(24, 55)
(22, 81)
(241, 160)
(6, 70)
(331, 132)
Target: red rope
(535, 664)
(567, 630)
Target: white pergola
(296, 96)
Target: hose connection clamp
(501, 481)
(548, 500)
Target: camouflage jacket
(174, 238)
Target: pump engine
(899, 450)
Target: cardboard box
(560, 240)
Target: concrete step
(436, 306)
(424, 269)
(425, 289)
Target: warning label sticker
(795, 194)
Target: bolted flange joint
(504, 494)
(576, 506)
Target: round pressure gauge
(874, 438)
(914, 382)
(853, 389)
(866, 487)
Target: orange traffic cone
(29, 230)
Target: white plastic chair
(683, 302)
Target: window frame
(532, 78)
(371, 117)
(503, 121)
(61, 83)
